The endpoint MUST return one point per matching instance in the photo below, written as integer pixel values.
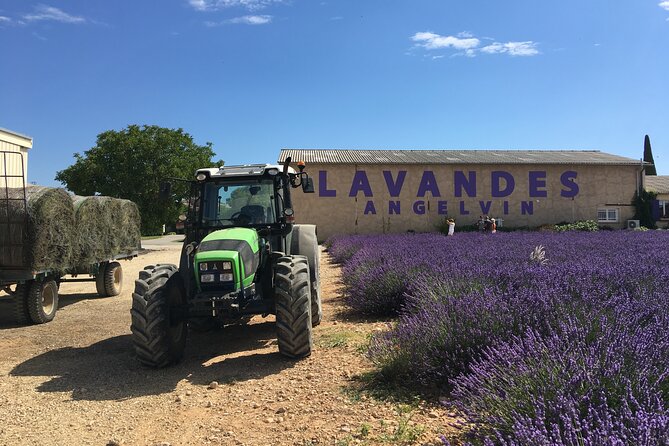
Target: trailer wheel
(20, 302)
(292, 294)
(113, 279)
(159, 327)
(43, 300)
(100, 279)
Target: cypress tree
(648, 157)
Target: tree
(648, 157)
(131, 163)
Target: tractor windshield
(242, 203)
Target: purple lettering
(568, 180)
(537, 180)
(442, 207)
(428, 184)
(485, 207)
(394, 187)
(463, 211)
(419, 207)
(497, 191)
(323, 190)
(369, 208)
(360, 183)
(461, 182)
(506, 208)
(393, 207)
(527, 207)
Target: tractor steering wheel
(239, 218)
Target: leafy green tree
(132, 162)
(648, 157)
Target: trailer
(35, 292)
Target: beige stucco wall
(12, 164)
(598, 187)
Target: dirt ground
(75, 381)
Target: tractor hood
(238, 245)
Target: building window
(607, 215)
(664, 209)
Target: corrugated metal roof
(659, 183)
(337, 156)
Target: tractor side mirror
(165, 190)
(308, 185)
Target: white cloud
(244, 20)
(45, 12)
(528, 48)
(664, 5)
(468, 45)
(252, 20)
(214, 5)
(432, 41)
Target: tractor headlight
(226, 277)
(227, 265)
(208, 278)
(203, 266)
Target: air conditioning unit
(633, 224)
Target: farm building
(14, 165)
(379, 191)
(659, 185)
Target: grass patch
(341, 338)
(375, 386)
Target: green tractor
(242, 255)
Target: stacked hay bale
(44, 224)
(60, 231)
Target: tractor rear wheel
(158, 326)
(292, 293)
(304, 242)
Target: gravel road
(75, 381)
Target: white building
(14, 158)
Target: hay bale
(46, 229)
(91, 238)
(59, 231)
(105, 228)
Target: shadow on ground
(108, 370)
(7, 306)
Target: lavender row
(537, 302)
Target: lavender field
(539, 338)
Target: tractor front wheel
(292, 293)
(159, 327)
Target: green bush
(585, 225)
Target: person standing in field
(493, 226)
(451, 226)
(481, 223)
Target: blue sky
(253, 76)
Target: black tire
(113, 279)
(292, 295)
(42, 300)
(158, 333)
(149, 270)
(100, 279)
(304, 242)
(20, 303)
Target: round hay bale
(50, 229)
(92, 220)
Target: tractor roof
(241, 171)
